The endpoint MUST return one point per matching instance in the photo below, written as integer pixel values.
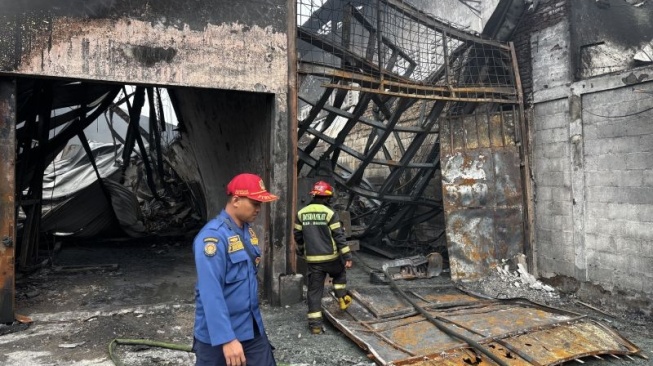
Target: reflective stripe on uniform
(298, 226)
(315, 315)
(313, 208)
(322, 258)
(334, 226)
(339, 286)
(345, 249)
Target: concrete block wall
(549, 67)
(553, 198)
(592, 160)
(618, 146)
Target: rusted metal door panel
(7, 188)
(482, 193)
(470, 242)
(517, 331)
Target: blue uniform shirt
(226, 293)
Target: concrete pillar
(577, 185)
(7, 196)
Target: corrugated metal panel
(517, 331)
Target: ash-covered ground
(149, 295)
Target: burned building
(482, 131)
(224, 65)
(571, 193)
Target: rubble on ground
(503, 283)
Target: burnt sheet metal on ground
(518, 331)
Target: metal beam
(337, 50)
(363, 119)
(413, 86)
(411, 93)
(439, 26)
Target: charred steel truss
(50, 113)
(377, 78)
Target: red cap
(250, 186)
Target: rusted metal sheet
(423, 94)
(518, 332)
(482, 192)
(7, 188)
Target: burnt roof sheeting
(517, 331)
(72, 170)
(88, 213)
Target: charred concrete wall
(592, 158)
(230, 132)
(607, 34)
(223, 44)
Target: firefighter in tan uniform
(321, 241)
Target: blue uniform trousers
(258, 352)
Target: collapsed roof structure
(419, 122)
(386, 93)
(78, 189)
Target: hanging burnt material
(41, 133)
(48, 114)
(378, 80)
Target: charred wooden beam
(339, 99)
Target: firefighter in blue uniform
(321, 242)
(228, 325)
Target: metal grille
(376, 78)
(391, 48)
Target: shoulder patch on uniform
(210, 240)
(210, 249)
(234, 239)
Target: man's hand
(233, 353)
(348, 264)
